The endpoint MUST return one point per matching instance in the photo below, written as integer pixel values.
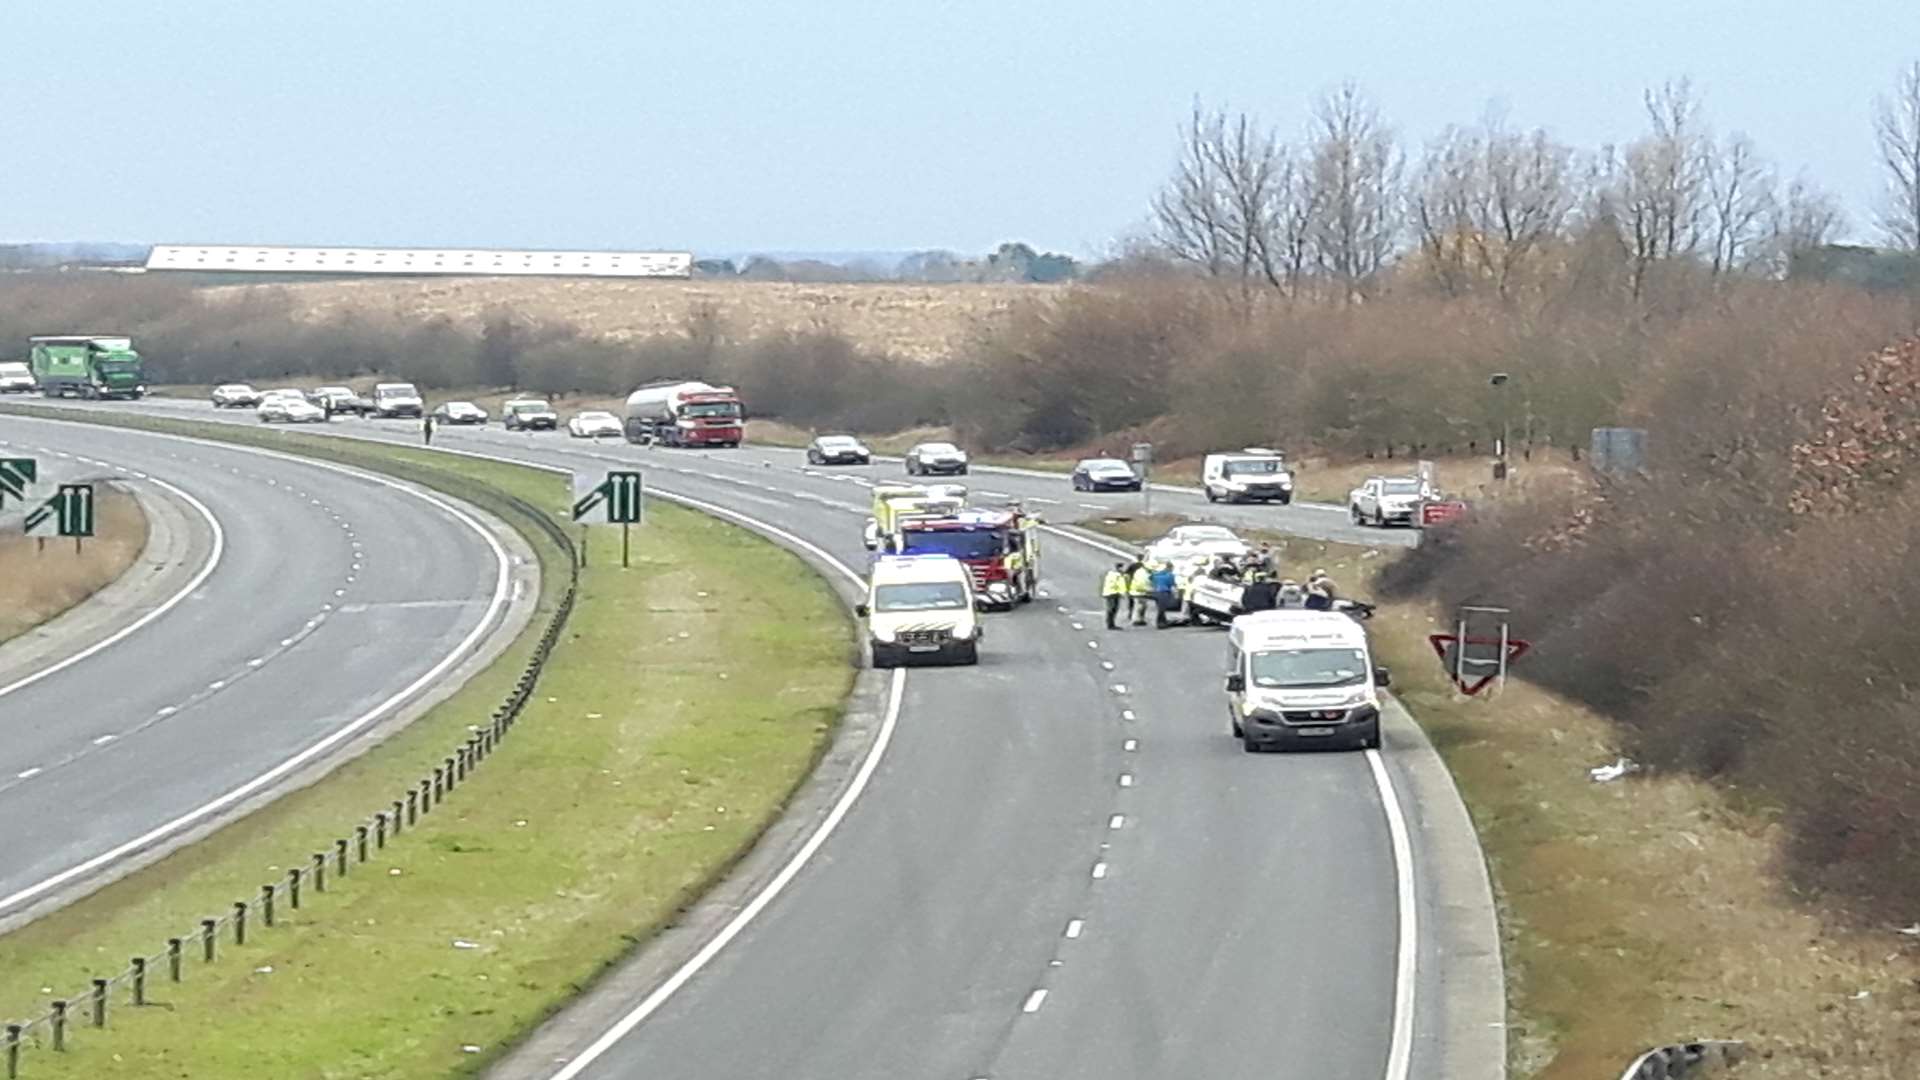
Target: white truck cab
(921, 607)
(1297, 678)
(1250, 474)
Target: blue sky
(827, 125)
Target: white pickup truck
(1384, 500)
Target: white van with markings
(1302, 678)
(921, 608)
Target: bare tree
(1222, 209)
(1896, 127)
(1802, 219)
(1487, 199)
(1354, 165)
(1659, 201)
(1190, 212)
(1740, 189)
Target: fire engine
(1000, 547)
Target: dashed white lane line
(1117, 821)
(1127, 714)
(28, 774)
(1074, 926)
(1093, 644)
(1130, 745)
(1126, 779)
(1078, 626)
(996, 494)
(216, 684)
(1049, 502)
(1099, 870)
(1090, 506)
(104, 740)
(1034, 1001)
(1106, 665)
(1066, 611)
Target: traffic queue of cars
(403, 401)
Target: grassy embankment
(1635, 913)
(41, 580)
(686, 701)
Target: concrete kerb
(1460, 1011)
(178, 544)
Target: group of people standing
(1131, 589)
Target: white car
(459, 413)
(1383, 500)
(588, 425)
(235, 396)
(16, 378)
(289, 407)
(936, 459)
(1183, 542)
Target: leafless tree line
(1485, 207)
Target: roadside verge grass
(687, 700)
(1635, 913)
(41, 581)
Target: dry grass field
(920, 322)
(40, 580)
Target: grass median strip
(688, 698)
(1634, 913)
(41, 579)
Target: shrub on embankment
(1747, 611)
(1188, 364)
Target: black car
(1105, 474)
(838, 450)
(340, 399)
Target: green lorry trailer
(88, 366)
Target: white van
(1253, 473)
(1297, 678)
(921, 607)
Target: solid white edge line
(652, 1002)
(502, 579)
(199, 578)
(661, 994)
(1407, 950)
(1400, 1049)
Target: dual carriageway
(1056, 864)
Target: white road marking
(256, 661)
(1099, 870)
(1130, 745)
(1126, 714)
(1126, 779)
(896, 694)
(1077, 626)
(104, 740)
(216, 684)
(1106, 665)
(1400, 1048)
(996, 494)
(1093, 644)
(1049, 502)
(1117, 821)
(1091, 506)
(1034, 1001)
(496, 604)
(1120, 688)
(1074, 926)
(28, 774)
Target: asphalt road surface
(332, 594)
(1063, 867)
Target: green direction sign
(620, 499)
(71, 506)
(16, 473)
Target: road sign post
(1143, 464)
(618, 499)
